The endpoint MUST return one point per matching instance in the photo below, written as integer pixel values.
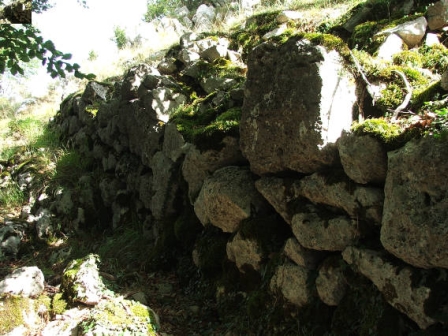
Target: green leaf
(78, 74)
(76, 66)
(91, 76)
(66, 56)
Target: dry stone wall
(295, 183)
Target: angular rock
(323, 234)
(411, 32)
(292, 282)
(165, 101)
(276, 192)
(213, 53)
(203, 18)
(291, 116)
(300, 255)
(212, 84)
(81, 281)
(391, 46)
(357, 201)
(133, 79)
(24, 281)
(415, 217)
(331, 284)
(94, 92)
(397, 283)
(167, 66)
(197, 166)
(244, 253)
(228, 197)
(437, 14)
(364, 158)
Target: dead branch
(407, 98)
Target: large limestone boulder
(415, 218)
(405, 288)
(24, 281)
(227, 197)
(293, 282)
(298, 100)
(364, 158)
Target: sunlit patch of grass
(11, 195)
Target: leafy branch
(23, 44)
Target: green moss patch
(120, 317)
(11, 313)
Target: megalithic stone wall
(295, 182)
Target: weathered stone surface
(211, 84)
(331, 284)
(166, 187)
(357, 201)
(324, 234)
(24, 281)
(363, 157)
(164, 101)
(142, 129)
(437, 14)
(244, 253)
(444, 80)
(415, 218)
(300, 255)
(95, 91)
(277, 193)
(81, 281)
(292, 281)
(133, 79)
(197, 165)
(227, 197)
(167, 66)
(288, 15)
(397, 283)
(283, 129)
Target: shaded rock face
(415, 218)
(363, 158)
(283, 129)
(399, 285)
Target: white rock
(25, 281)
(391, 46)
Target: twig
(407, 98)
(372, 89)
